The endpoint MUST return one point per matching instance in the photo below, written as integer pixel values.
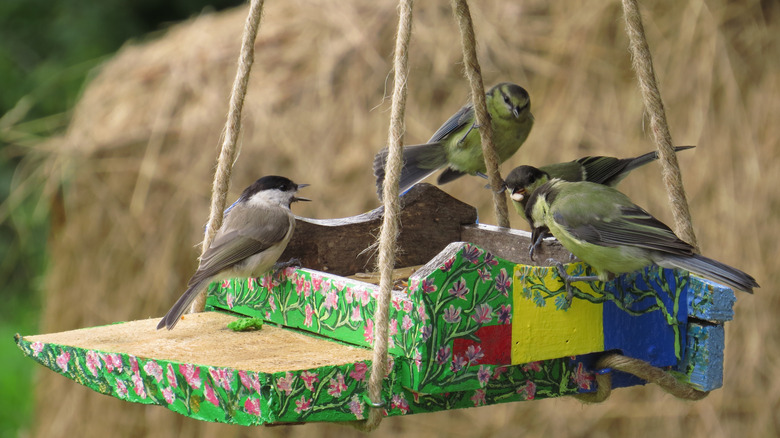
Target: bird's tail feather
(648, 157)
(713, 270)
(172, 317)
(420, 161)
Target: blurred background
(110, 123)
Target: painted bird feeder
(477, 324)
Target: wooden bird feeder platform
(477, 324)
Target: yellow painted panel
(545, 332)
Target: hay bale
(138, 157)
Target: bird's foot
(536, 244)
(462, 139)
(568, 279)
(279, 267)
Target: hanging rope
(643, 65)
(474, 74)
(227, 155)
(387, 237)
(644, 371)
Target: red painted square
(495, 342)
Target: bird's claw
(566, 281)
(279, 267)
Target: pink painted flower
(356, 407)
(527, 391)
(368, 332)
(37, 347)
(406, 323)
(505, 314)
(268, 282)
(191, 374)
(471, 253)
(582, 378)
(428, 286)
(359, 372)
(337, 385)
(459, 289)
(407, 306)
(356, 316)
(272, 303)
(443, 355)
(62, 360)
(225, 284)
(396, 302)
(309, 379)
(422, 312)
(307, 321)
(399, 402)
(303, 404)
(483, 375)
(210, 394)
(121, 388)
(348, 295)
(222, 377)
(93, 362)
(154, 369)
(138, 385)
(498, 371)
(426, 332)
(251, 283)
(230, 300)
(490, 259)
(316, 282)
(285, 383)
(418, 359)
(532, 366)
(170, 375)
(133, 363)
(393, 327)
(474, 354)
(447, 265)
(250, 380)
(483, 314)
(332, 299)
(169, 395)
(458, 363)
(479, 397)
(364, 296)
(303, 287)
(503, 282)
(484, 274)
(452, 314)
(112, 361)
(252, 406)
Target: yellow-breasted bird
(603, 228)
(456, 145)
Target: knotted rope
(474, 74)
(644, 371)
(642, 62)
(392, 207)
(227, 155)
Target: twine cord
(644, 371)
(390, 226)
(642, 63)
(227, 155)
(474, 74)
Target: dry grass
(137, 160)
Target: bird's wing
(268, 228)
(602, 170)
(463, 117)
(614, 224)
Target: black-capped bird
(603, 228)
(254, 234)
(456, 145)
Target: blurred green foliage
(47, 50)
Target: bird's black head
(273, 182)
(523, 180)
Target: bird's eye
(506, 100)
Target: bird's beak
(518, 195)
(297, 198)
(516, 112)
(300, 186)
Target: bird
(604, 229)
(609, 171)
(456, 145)
(254, 234)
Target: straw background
(130, 179)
